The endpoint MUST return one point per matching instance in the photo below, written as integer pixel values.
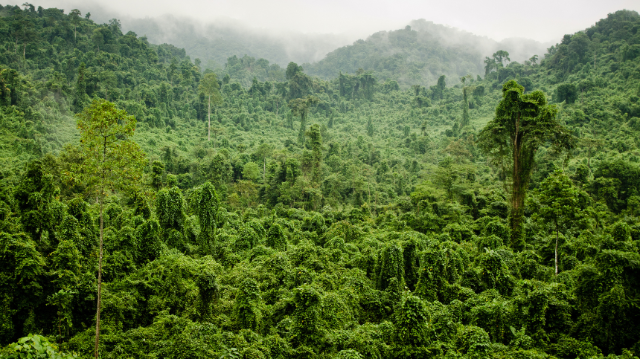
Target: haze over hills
(436, 49)
(150, 208)
(214, 42)
(422, 51)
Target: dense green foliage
(215, 42)
(339, 218)
(419, 54)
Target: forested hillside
(214, 43)
(291, 216)
(419, 54)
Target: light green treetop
(210, 87)
(111, 159)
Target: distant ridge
(421, 51)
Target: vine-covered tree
(523, 122)
(206, 207)
(300, 107)
(384, 235)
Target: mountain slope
(419, 54)
(214, 43)
(325, 219)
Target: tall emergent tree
(210, 87)
(500, 56)
(522, 124)
(25, 32)
(75, 20)
(489, 65)
(112, 161)
(315, 139)
(368, 82)
(465, 100)
(559, 204)
(441, 85)
(300, 107)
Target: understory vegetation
(260, 212)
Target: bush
(33, 346)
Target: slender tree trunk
(209, 135)
(99, 282)
(215, 133)
(104, 154)
(303, 127)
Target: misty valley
(423, 192)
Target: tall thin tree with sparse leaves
(559, 200)
(210, 87)
(111, 162)
(75, 20)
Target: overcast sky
(541, 20)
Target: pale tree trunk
(97, 344)
(215, 132)
(369, 199)
(99, 284)
(209, 135)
